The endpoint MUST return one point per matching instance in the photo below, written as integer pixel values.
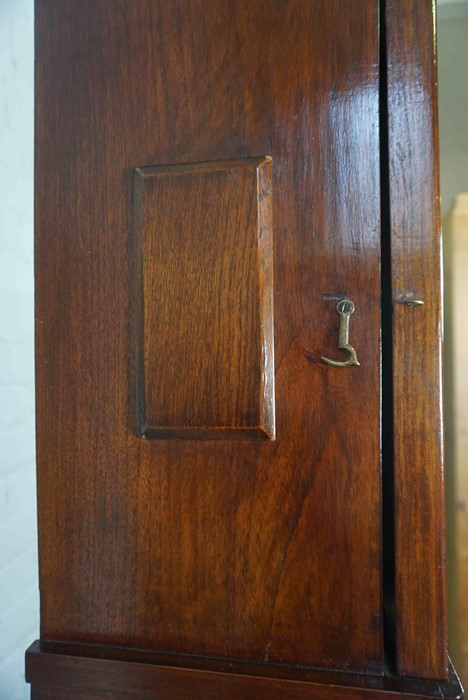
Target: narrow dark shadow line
(388, 483)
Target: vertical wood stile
(420, 591)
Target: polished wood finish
(255, 549)
(81, 672)
(179, 143)
(206, 248)
(420, 595)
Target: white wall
(453, 119)
(19, 603)
(453, 100)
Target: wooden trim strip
(420, 589)
(56, 670)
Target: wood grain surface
(82, 672)
(420, 595)
(206, 335)
(258, 550)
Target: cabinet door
(207, 191)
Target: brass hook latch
(344, 309)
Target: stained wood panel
(259, 550)
(420, 596)
(81, 672)
(206, 324)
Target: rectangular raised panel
(205, 295)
